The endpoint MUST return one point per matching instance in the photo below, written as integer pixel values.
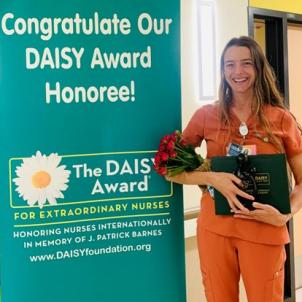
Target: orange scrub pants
(223, 259)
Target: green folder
(270, 176)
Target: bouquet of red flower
(174, 156)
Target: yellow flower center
(41, 179)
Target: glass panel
(207, 54)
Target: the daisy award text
(47, 53)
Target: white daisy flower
(41, 179)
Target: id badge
(250, 149)
(236, 149)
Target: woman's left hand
(264, 213)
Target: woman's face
(239, 69)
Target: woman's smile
(239, 69)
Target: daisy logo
(41, 179)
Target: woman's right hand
(227, 184)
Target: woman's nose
(238, 68)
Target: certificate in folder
(269, 183)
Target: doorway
(280, 36)
(294, 34)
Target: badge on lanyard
(235, 149)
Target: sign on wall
(87, 89)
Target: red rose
(170, 146)
(162, 147)
(164, 156)
(165, 139)
(174, 136)
(182, 142)
(173, 154)
(157, 158)
(162, 171)
(156, 167)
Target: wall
(231, 21)
(295, 94)
(293, 6)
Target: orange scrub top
(205, 125)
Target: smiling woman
(239, 69)
(250, 108)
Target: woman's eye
(229, 65)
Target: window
(206, 50)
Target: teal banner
(87, 89)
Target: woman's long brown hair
(265, 87)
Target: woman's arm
(268, 214)
(296, 195)
(226, 183)
(191, 178)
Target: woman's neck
(242, 106)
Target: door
(270, 30)
(294, 34)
